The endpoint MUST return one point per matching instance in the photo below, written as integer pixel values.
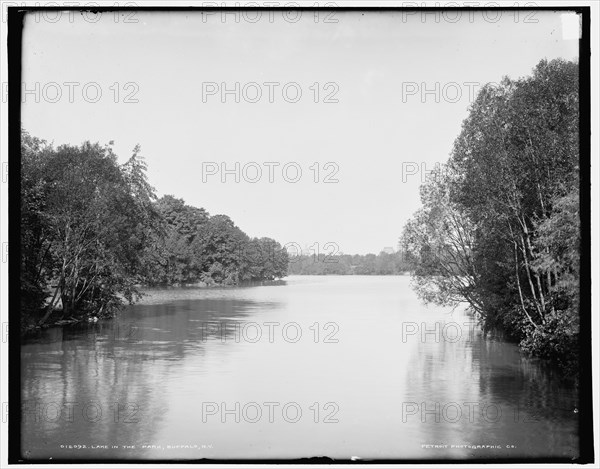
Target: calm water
(316, 366)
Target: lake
(337, 366)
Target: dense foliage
(499, 225)
(92, 232)
(345, 264)
(190, 246)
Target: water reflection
(138, 386)
(478, 391)
(104, 384)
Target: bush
(556, 340)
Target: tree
(93, 231)
(439, 242)
(36, 230)
(86, 218)
(514, 188)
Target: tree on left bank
(93, 231)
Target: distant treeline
(499, 226)
(93, 231)
(345, 264)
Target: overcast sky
(171, 67)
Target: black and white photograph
(299, 233)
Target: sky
(382, 98)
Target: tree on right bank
(499, 226)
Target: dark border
(14, 44)
(16, 16)
(586, 421)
